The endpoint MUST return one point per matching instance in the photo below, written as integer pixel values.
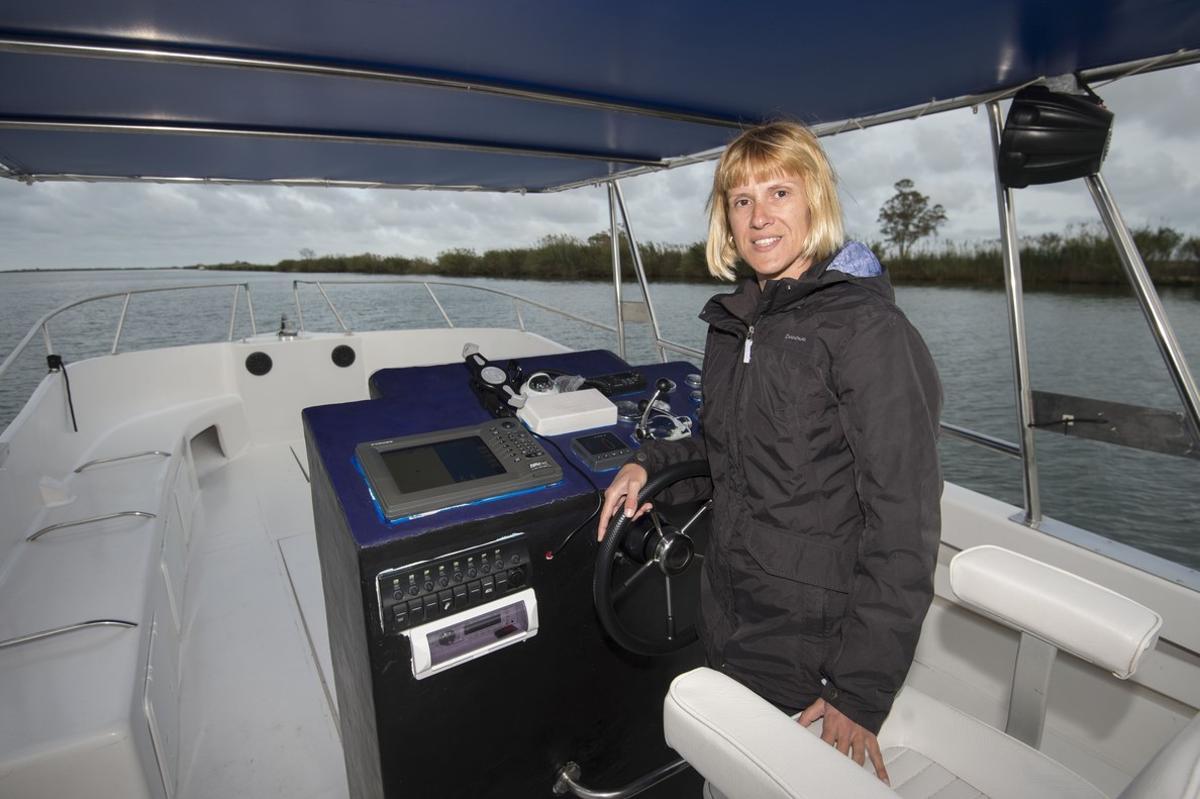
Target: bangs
(756, 163)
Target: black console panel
(404, 598)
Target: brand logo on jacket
(791, 337)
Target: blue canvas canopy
(517, 95)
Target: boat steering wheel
(666, 543)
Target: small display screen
(601, 443)
(440, 464)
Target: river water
(1082, 343)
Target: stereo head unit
(428, 472)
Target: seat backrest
(1075, 615)
(1174, 773)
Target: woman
(820, 424)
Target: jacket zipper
(739, 399)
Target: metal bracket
(1031, 679)
(1150, 429)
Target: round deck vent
(343, 355)
(258, 363)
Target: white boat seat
(746, 749)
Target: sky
(1153, 171)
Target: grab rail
(70, 628)
(982, 440)
(662, 344)
(429, 284)
(43, 324)
(103, 518)
(100, 461)
(566, 780)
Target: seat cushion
(747, 749)
(930, 742)
(1174, 773)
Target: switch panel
(418, 593)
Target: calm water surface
(1087, 344)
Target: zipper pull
(749, 343)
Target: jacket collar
(735, 311)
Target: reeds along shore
(1085, 257)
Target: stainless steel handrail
(70, 628)
(982, 440)
(964, 433)
(43, 323)
(566, 780)
(682, 349)
(105, 517)
(428, 284)
(98, 461)
(660, 343)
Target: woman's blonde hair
(776, 148)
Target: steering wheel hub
(674, 554)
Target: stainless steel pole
(250, 309)
(640, 270)
(120, 325)
(237, 290)
(1016, 327)
(615, 236)
(1143, 287)
(296, 299)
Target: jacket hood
(854, 262)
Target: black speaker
(1051, 137)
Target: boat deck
(258, 713)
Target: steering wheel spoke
(621, 590)
(699, 514)
(670, 609)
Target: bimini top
(510, 94)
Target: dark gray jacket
(820, 423)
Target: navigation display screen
(441, 464)
(601, 443)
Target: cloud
(1153, 171)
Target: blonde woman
(820, 425)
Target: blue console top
(421, 399)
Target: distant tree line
(1083, 255)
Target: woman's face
(769, 220)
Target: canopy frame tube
(614, 235)
(134, 126)
(1016, 327)
(1152, 307)
(202, 58)
(639, 269)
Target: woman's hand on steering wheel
(625, 488)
